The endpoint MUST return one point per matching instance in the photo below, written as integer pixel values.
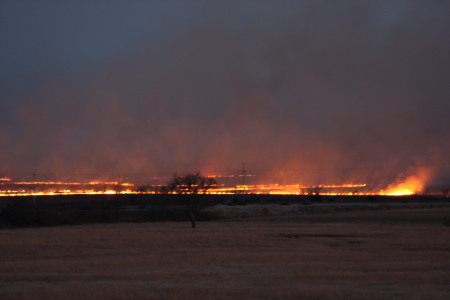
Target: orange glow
(72, 183)
(292, 189)
(63, 192)
(399, 192)
(35, 188)
(405, 188)
(411, 185)
(230, 176)
(21, 188)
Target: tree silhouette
(193, 186)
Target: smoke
(412, 181)
(301, 91)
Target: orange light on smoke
(411, 185)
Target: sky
(299, 91)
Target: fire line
(25, 188)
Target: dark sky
(338, 90)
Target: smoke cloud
(301, 91)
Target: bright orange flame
(413, 184)
(30, 188)
(98, 187)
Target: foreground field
(395, 254)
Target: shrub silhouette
(192, 187)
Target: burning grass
(402, 254)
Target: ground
(383, 254)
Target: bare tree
(192, 186)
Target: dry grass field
(393, 254)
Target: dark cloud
(337, 91)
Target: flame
(72, 183)
(38, 188)
(411, 185)
(291, 189)
(28, 188)
(230, 176)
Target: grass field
(393, 254)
